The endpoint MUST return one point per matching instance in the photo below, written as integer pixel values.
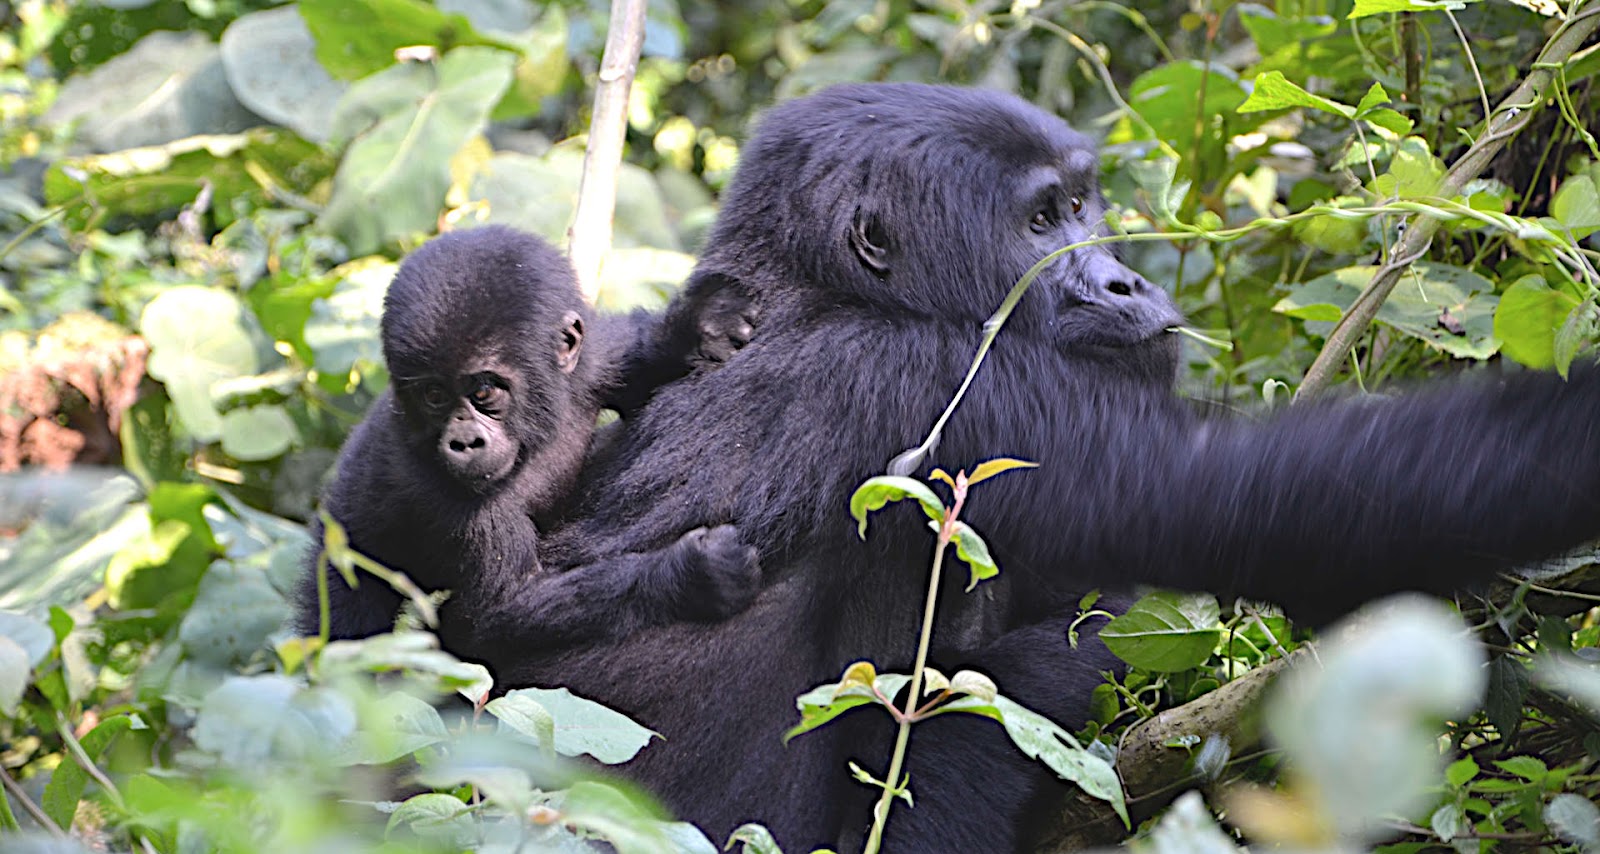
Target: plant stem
(880, 813)
(589, 238)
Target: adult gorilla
(876, 227)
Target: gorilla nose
(465, 447)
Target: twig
(589, 238)
(1508, 118)
(33, 809)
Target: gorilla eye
(1077, 205)
(485, 393)
(1042, 220)
(435, 396)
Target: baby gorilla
(494, 394)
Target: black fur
(876, 227)
(495, 389)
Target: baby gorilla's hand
(719, 573)
(727, 322)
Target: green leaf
(395, 725)
(15, 673)
(358, 37)
(197, 336)
(1165, 632)
(1272, 91)
(1431, 302)
(235, 611)
(1413, 173)
(437, 818)
(1039, 738)
(67, 782)
(1390, 121)
(971, 548)
(1577, 206)
(1576, 333)
(879, 491)
(32, 635)
(826, 702)
(271, 65)
(1461, 771)
(343, 328)
(256, 433)
(990, 468)
(1527, 320)
(411, 120)
(1375, 98)
(581, 727)
(1155, 177)
(1527, 767)
(1364, 8)
(1575, 819)
(754, 839)
(251, 721)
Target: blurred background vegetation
(202, 201)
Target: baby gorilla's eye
(435, 396)
(484, 392)
(1042, 220)
(1077, 205)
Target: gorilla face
(462, 416)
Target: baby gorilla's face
(464, 417)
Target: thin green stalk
(880, 812)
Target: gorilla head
(482, 331)
(934, 201)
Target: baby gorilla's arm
(708, 574)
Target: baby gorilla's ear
(571, 342)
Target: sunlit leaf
(880, 491)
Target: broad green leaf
(256, 433)
(15, 673)
(971, 548)
(67, 782)
(343, 329)
(411, 119)
(415, 654)
(990, 468)
(1527, 319)
(1413, 172)
(1273, 91)
(158, 179)
(250, 721)
(1341, 233)
(355, 38)
(1155, 177)
(625, 819)
(582, 727)
(438, 818)
(879, 491)
(271, 65)
(197, 336)
(1576, 333)
(1430, 302)
(34, 636)
(1273, 32)
(1364, 8)
(1528, 768)
(1461, 771)
(395, 725)
(1575, 819)
(1165, 632)
(1039, 738)
(1390, 121)
(1577, 206)
(1449, 821)
(235, 612)
(1165, 96)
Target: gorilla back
(877, 226)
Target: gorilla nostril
(1120, 288)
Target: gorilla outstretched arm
(705, 324)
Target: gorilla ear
(571, 342)
(870, 240)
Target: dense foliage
(202, 201)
